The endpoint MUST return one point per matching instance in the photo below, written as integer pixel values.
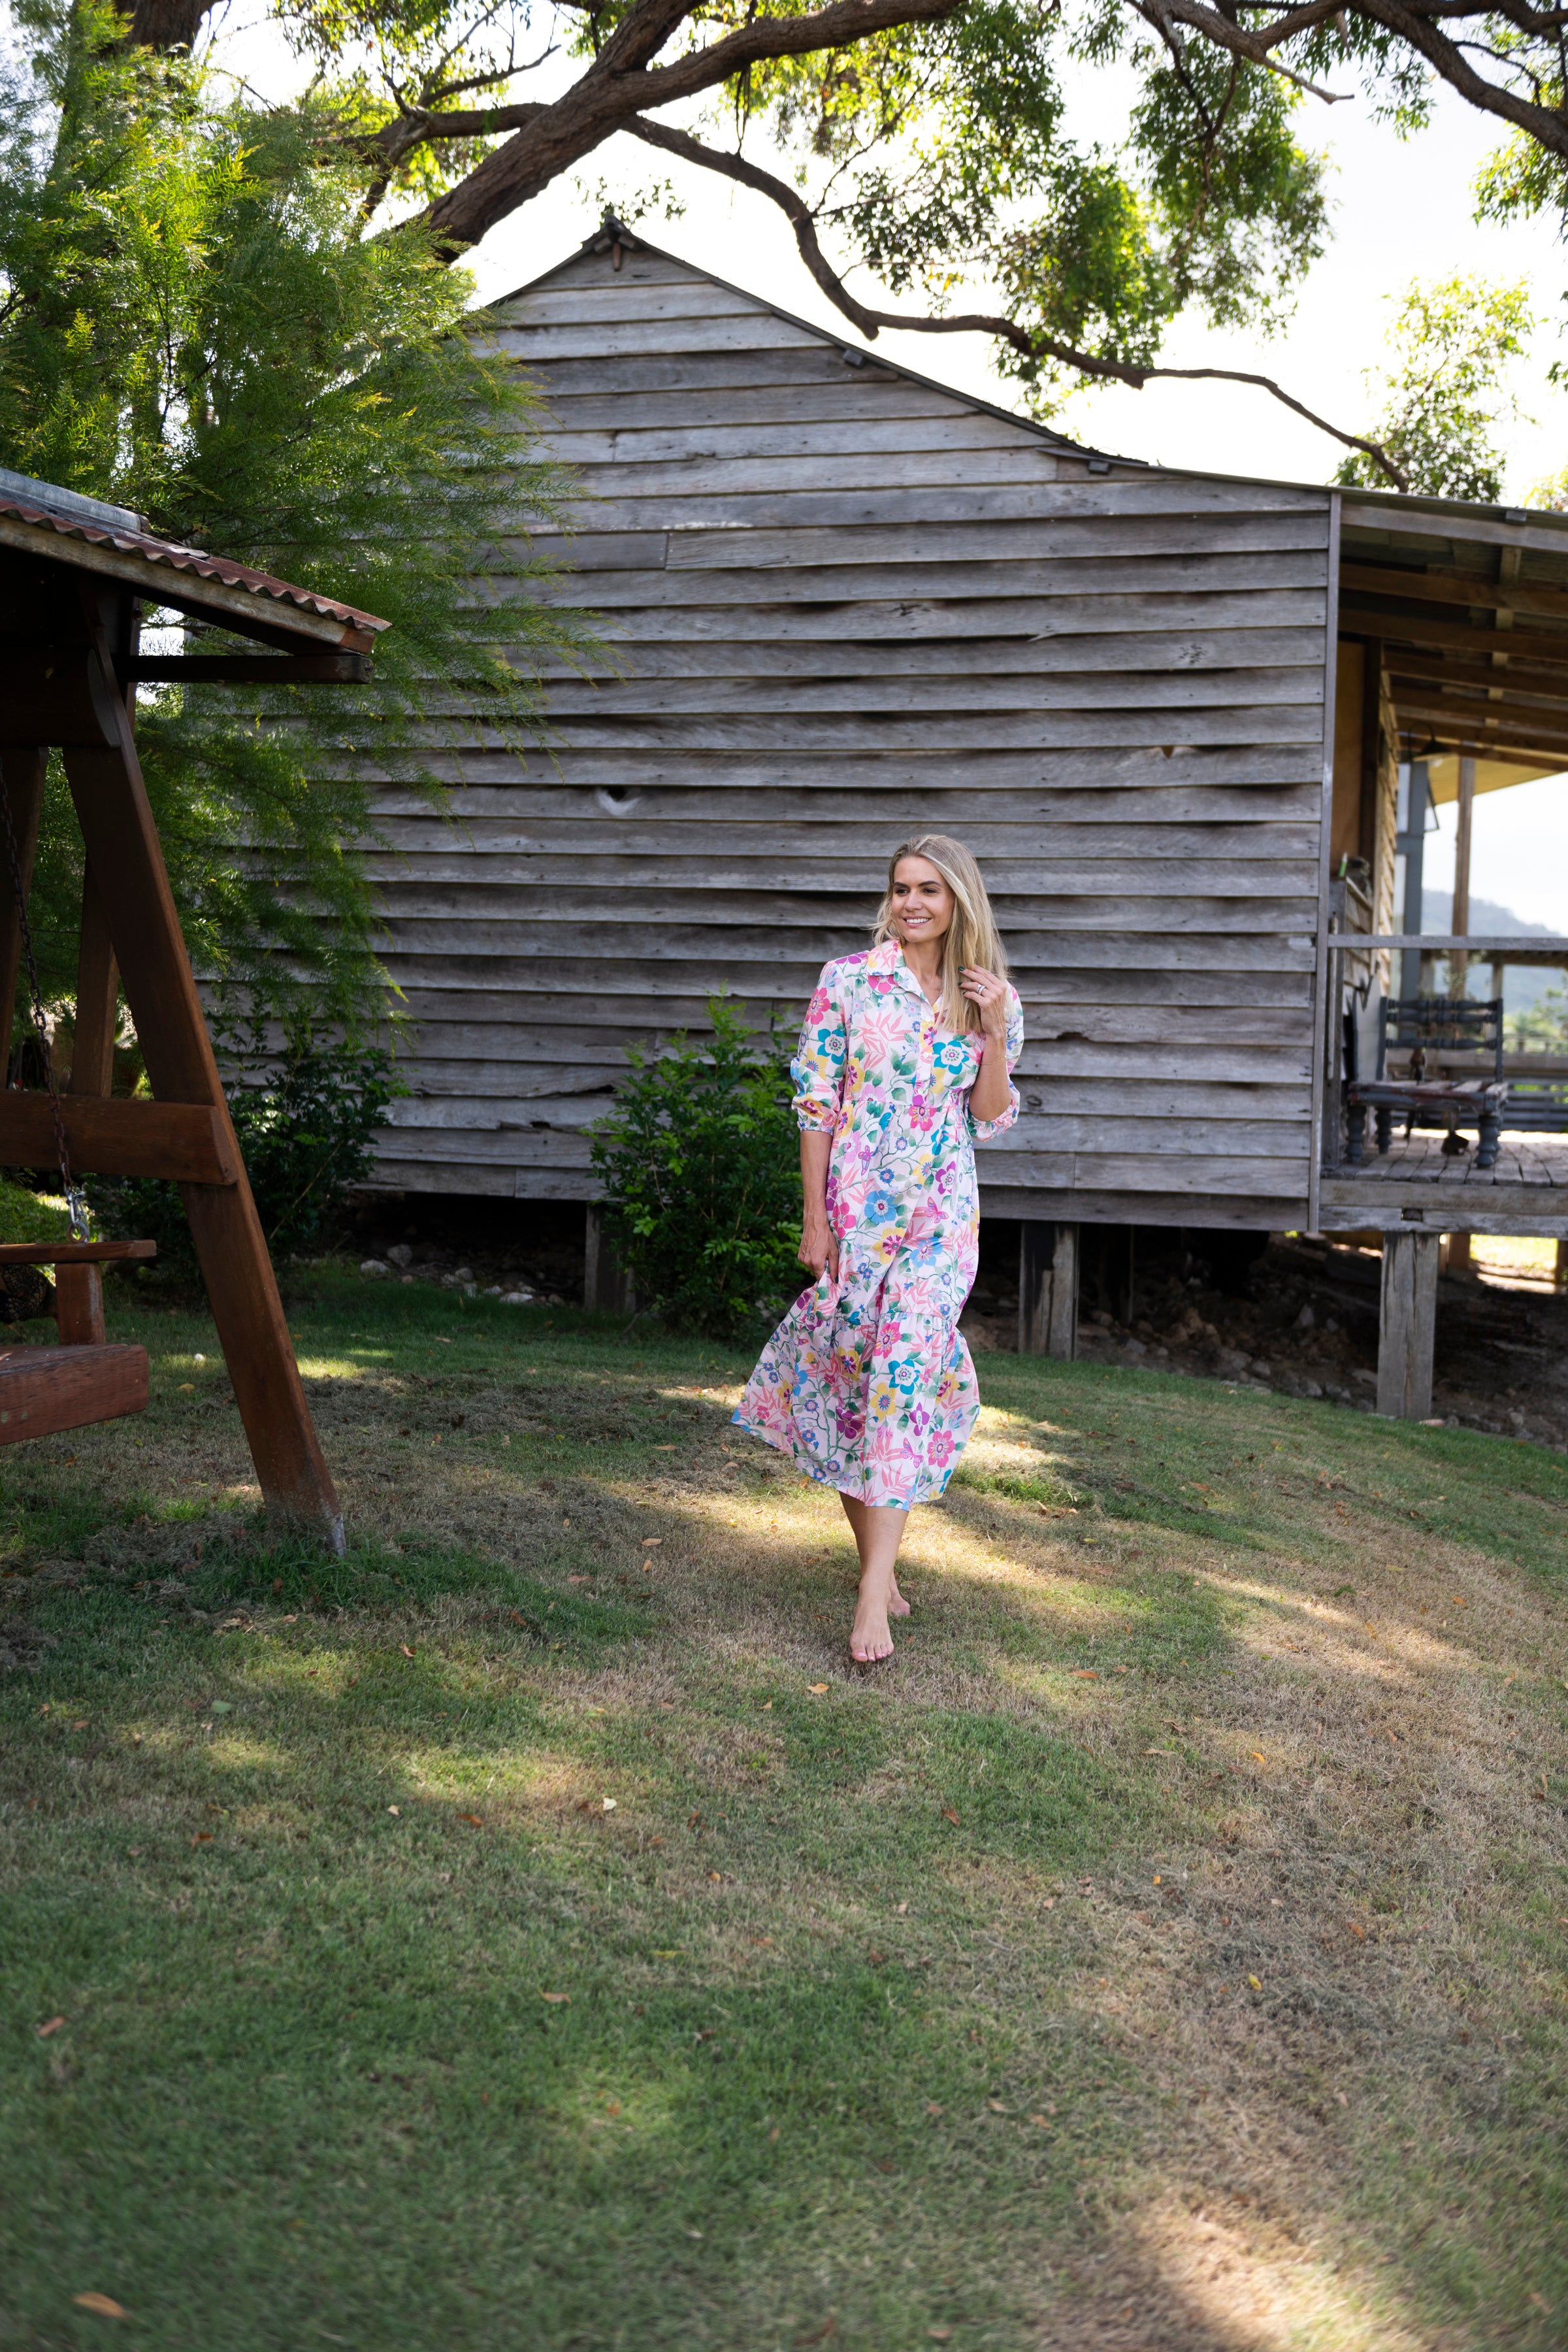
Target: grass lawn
(529, 1933)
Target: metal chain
(74, 1199)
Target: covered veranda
(1453, 675)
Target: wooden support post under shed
(1407, 1325)
(606, 1288)
(1047, 1290)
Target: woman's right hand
(819, 1247)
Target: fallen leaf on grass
(1085, 1674)
(405, 1650)
(1159, 1751)
(579, 1579)
(607, 1804)
(203, 1837)
(50, 2025)
(555, 1996)
(820, 2335)
(816, 1689)
(1359, 1933)
(1255, 1983)
(104, 2305)
(716, 1874)
(877, 1960)
(997, 2106)
(648, 1542)
(933, 2108)
(1538, 2300)
(1044, 2122)
(473, 1820)
(1257, 1756)
(939, 2335)
(949, 1815)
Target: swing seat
(46, 1390)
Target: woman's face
(923, 903)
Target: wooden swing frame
(75, 576)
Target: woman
(905, 1058)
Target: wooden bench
(46, 1390)
(1428, 1025)
(1428, 1102)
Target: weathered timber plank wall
(846, 606)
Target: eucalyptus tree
(921, 146)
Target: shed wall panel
(843, 605)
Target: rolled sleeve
(983, 1129)
(817, 1068)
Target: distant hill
(1486, 917)
(1521, 988)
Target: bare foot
(870, 1639)
(897, 1605)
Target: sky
(1403, 210)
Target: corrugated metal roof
(68, 514)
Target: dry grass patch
(1168, 1951)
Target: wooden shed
(847, 604)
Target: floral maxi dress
(867, 1383)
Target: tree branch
(618, 84)
(1547, 125)
(1028, 342)
(1228, 35)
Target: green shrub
(700, 1167)
(304, 1123)
(30, 1216)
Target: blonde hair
(970, 936)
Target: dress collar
(890, 957)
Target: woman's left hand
(983, 987)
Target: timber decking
(1526, 1192)
(845, 605)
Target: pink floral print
(867, 1383)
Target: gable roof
(1380, 511)
(612, 232)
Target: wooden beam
(242, 610)
(187, 1142)
(50, 693)
(1370, 718)
(122, 845)
(1530, 685)
(1047, 1290)
(1483, 723)
(248, 669)
(22, 782)
(1407, 1325)
(46, 1390)
(1459, 916)
(1417, 629)
(74, 1252)
(1442, 587)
